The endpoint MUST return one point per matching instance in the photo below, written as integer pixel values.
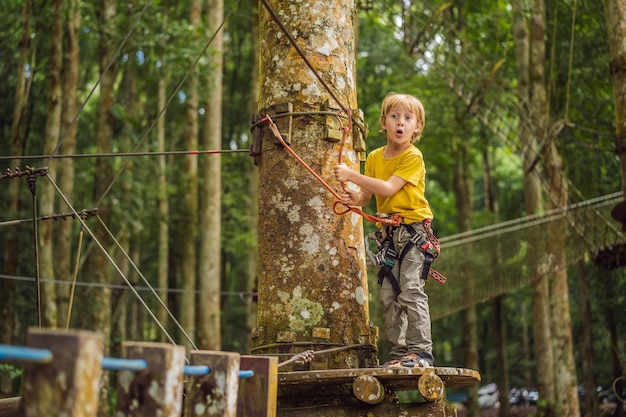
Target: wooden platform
(396, 379)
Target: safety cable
(301, 53)
(74, 278)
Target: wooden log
(10, 407)
(214, 394)
(69, 384)
(431, 386)
(257, 395)
(157, 390)
(368, 389)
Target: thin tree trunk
(64, 254)
(46, 193)
(209, 261)
(190, 201)
(162, 196)
(253, 191)
(463, 191)
(532, 191)
(8, 320)
(587, 354)
(96, 308)
(616, 26)
(554, 258)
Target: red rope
(394, 220)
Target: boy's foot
(394, 363)
(413, 360)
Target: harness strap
(425, 245)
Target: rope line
(301, 53)
(374, 219)
(241, 294)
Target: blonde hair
(412, 103)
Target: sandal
(413, 360)
(394, 363)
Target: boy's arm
(370, 185)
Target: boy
(395, 174)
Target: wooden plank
(214, 394)
(257, 395)
(10, 407)
(397, 379)
(69, 384)
(427, 409)
(157, 390)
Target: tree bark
(312, 275)
(209, 261)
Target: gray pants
(407, 316)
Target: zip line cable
(124, 154)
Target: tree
(209, 261)
(189, 188)
(53, 135)
(71, 49)
(312, 276)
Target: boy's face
(401, 125)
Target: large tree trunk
(64, 258)
(553, 258)
(190, 202)
(46, 196)
(209, 261)
(312, 275)
(532, 191)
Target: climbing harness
(387, 256)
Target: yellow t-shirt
(410, 201)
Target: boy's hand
(342, 172)
(349, 197)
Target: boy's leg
(395, 320)
(414, 301)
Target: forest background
(175, 79)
